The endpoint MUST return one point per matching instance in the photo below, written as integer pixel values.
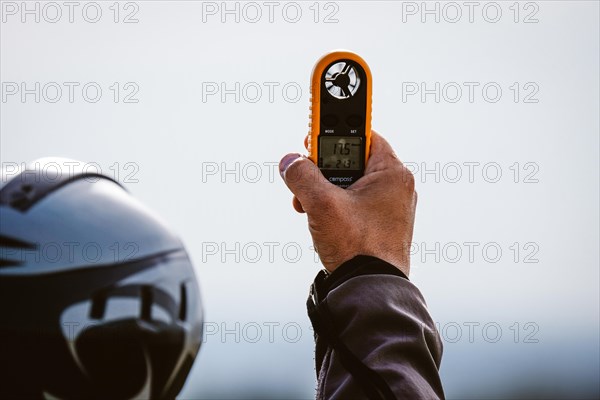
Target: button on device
(329, 120)
(354, 121)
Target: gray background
(515, 326)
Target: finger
(379, 145)
(297, 205)
(381, 155)
(306, 142)
(305, 181)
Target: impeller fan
(341, 80)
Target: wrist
(400, 261)
(356, 266)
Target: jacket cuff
(360, 265)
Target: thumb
(304, 179)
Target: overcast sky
(494, 107)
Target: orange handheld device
(340, 121)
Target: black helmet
(98, 298)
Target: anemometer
(340, 121)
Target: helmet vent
(9, 263)
(98, 305)
(146, 306)
(7, 257)
(6, 241)
(183, 302)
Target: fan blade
(346, 91)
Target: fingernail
(286, 161)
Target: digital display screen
(340, 152)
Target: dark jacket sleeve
(374, 336)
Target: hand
(374, 216)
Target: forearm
(374, 336)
